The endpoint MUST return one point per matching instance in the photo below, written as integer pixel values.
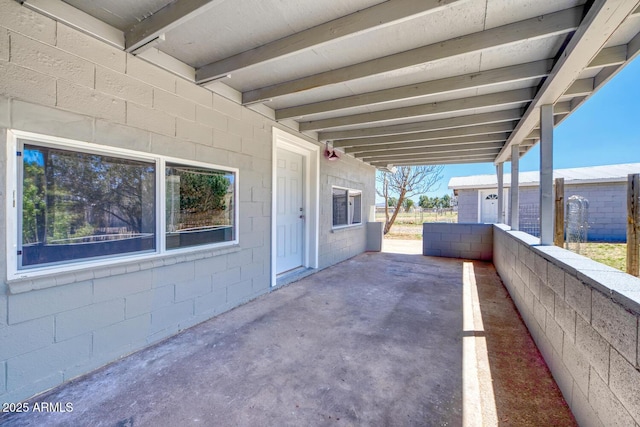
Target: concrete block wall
(467, 206)
(607, 208)
(341, 243)
(469, 241)
(584, 318)
(375, 236)
(59, 82)
(529, 195)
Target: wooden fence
(633, 225)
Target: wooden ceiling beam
(440, 136)
(507, 98)
(385, 165)
(614, 55)
(429, 125)
(372, 18)
(164, 20)
(556, 23)
(582, 87)
(450, 142)
(480, 79)
(470, 148)
(75, 18)
(452, 155)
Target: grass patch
(417, 218)
(408, 226)
(611, 254)
(402, 232)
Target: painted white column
(546, 174)
(500, 173)
(514, 200)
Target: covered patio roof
(397, 82)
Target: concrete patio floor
(381, 339)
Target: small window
(347, 207)
(80, 205)
(199, 206)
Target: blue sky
(605, 130)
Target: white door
(489, 206)
(289, 211)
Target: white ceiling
(362, 68)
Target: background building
(605, 187)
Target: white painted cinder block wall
(59, 82)
(607, 207)
(584, 318)
(467, 206)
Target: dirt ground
(525, 393)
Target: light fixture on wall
(330, 154)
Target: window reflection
(347, 207)
(79, 205)
(199, 206)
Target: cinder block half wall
(469, 241)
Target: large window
(347, 207)
(72, 202)
(78, 205)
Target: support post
(546, 174)
(558, 234)
(633, 225)
(500, 173)
(514, 200)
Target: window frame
(236, 201)
(350, 192)
(13, 187)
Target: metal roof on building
(592, 174)
(397, 82)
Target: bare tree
(407, 181)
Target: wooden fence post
(558, 233)
(633, 225)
